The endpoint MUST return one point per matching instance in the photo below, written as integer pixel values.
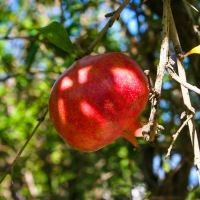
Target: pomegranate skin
(97, 100)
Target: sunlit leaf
(194, 50)
(57, 35)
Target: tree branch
(150, 130)
(180, 80)
(185, 93)
(177, 134)
(115, 15)
(8, 171)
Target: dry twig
(185, 93)
(175, 76)
(176, 135)
(150, 130)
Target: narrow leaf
(194, 50)
(57, 35)
(191, 6)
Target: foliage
(29, 65)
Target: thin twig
(150, 130)
(180, 80)
(151, 89)
(62, 18)
(5, 78)
(176, 135)
(192, 20)
(185, 93)
(30, 38)
(110, 14)
(14, 195)
(40, 120)
(115, 16)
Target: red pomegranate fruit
(97, 100)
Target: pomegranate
(97, 100)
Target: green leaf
(57, 35)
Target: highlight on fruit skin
(97, 100)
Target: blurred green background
(29, 65)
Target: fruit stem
(130, 137)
